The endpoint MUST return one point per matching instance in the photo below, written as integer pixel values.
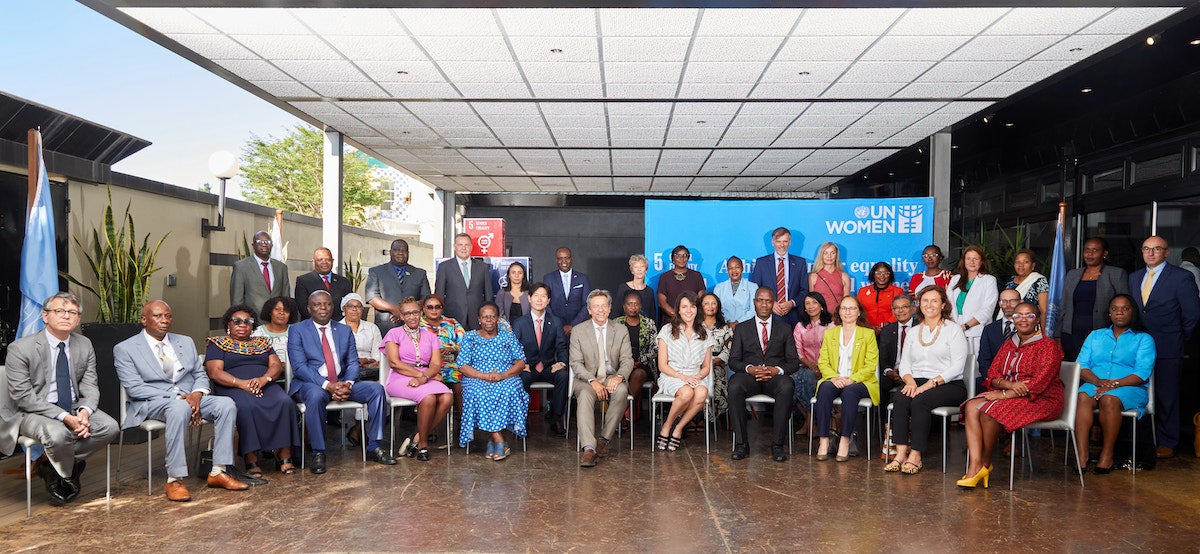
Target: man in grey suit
(600, 374)
(52, 396)
(164, 380)
(252, 274)
(464, 283)
(389, 283)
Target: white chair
(1133, 415)
(950, 413)
(662, 398)
(603, 409)
(393, 403)
(151, 426)
(360, 413)
(864, 403)
(764, 399)
(1069, 373)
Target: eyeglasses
(262, 242)
(1009, 301)
(1026, 317)
(352, 307)
(930, 256)
(433, 306)
(61, 312)
(410, 312)
(240, 321)
(848, 309)
(1158, 249)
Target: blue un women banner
(892, 230)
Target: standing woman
(848, 362)
(513, 298)
(638, 265)
(277, 315)
(876, 297)
(673, 283)
(1087, 291)
(1031, 285)
(809, 334)
(449, 333)
(415, 373)
(367, 338)
(644, 345)
(973, 295)
(1023, 387)
(684, 360)
(720, 335)
(494, 397)
(934, 274)
(827, 276)
(931, 367)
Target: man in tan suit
(599, 374)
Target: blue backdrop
(893, 230)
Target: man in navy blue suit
(995, 333)
(324, 363)
(785, 274)
(568, 291)
(545, 344)
(1169, 303)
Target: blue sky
(80, 62)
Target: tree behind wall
(286, 173)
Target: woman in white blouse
(366, 336)
(684, 361)
(973, 294)
(931, 366)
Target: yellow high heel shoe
(972, 482)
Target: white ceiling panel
(482, 72)
(449, 22)
(377, 48)
(318, 109)
(170, 21)
(322, 70)
(884, 72)
(694, 89)
(1123, 21)
(289, 47)
(1077, 47)
(254, 70)
(831, 48)
(841, 108)
(556, 121)
(935, 90)
(470, 49)
(548, 22)
(556, 49)
(790, 109)
(642, 72)
(215, 47)
(561, 72)
(908, 48)
(632, 90)
(861, 90)
(835, 22)
(648, 22)
(495, 90)
(968, 72)
(421, 90)
(946, 21)
(380, 22)
(998, 89)
(788, 90)
(1033, 71)
(1002, 48)
(804, 72)
(645, 49)
(734, 49)
(373, 108)
(747, 22)
(344, 89)
(1045, 21)
(251, 21)
(411, 71)
(285, 89)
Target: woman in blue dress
(494, 399)
(1116, 363)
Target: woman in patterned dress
(450, 333)
(808, 334)
(1032, 285)
(1023, 387)
(721, 337)
(494, 397)
(642, 333)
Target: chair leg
(706, 440)
(449, 429)
(149, 463)
(868, 418)
(1075, 448)
(392, 433)
(362, 435)
(120, 447)
(1135, 445)
(28, 485)
(945, 439)
(108, 474)
(301, 441)
(1012, 458)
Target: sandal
(423, 455)
(286, 466)
(909, 468)
(673, 444)
(892, 467)
(253, 469)
(661, 444)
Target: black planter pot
(104, 337)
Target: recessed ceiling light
(988, 118)
(1195, 42)
(701, 121)
(1076, 49)
(918, 162)
(1152, 39)
(404, 132)
(556, 50)
(402, 72)
(1009, 124)
(804, 73)
(870, 132)
(891, 174)
(1085, 90)
(954, 147)
(724, 167)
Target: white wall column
(331, 205)
(939, 186)
(449, 221)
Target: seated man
(994, 334)
(52, 396)
(324, 361)
(541, 335)
(762, 356)
(891, 345)
(601, 360)
(164, 380)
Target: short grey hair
(638, 258)
(65, 296)
(600, 293)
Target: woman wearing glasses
(1023, 387)
(415, 373)
(449, 333)
(366, 337)
(849, 359)
(933, 274)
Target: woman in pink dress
(827, 277)
(808, 334)
(414, 356)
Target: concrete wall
(202, 266)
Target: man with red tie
(541, 334)
(323, 278)
(762, 358)
(785, 274)
(257, 277)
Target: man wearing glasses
(391, 282)
(257, 278)
(52, 397)
(1167, 298)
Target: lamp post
(223, 165)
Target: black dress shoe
(778, 453)
(740, 451)
(559, 428)
(73, 481)
(57, 488)
(318, 463)
(353, 442)
(549, 415)
(380, 456)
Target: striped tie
(780, 283)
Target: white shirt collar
(1155, 268)
(53, 340)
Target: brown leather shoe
(176, 492)
(226, 481)
(588, 459)
(1164, 452)
(602, 447)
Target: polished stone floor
(686, 501)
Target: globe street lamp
(223, 165)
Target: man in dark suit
(785, 274)
(464, 283)
(321, 277)
(51, 396)
(324, 363)
(568, 290)
(541, 335)
(762, 358)
(891, 341)
(1169, 303)
(995, 333)
(388, 284)
(257, 278)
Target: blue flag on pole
(39, 259)
(1058, 274)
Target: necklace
(680, 276)
(921, 335)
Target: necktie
(267, 274)
(1147, 284)
(326, 279)
(780, 285)
(466, 269)
(168, 366)
(62, 373)
(330, 366)
(903, 336)
(764, 336)
(537, 333)
(1007, 329)
(602, 373)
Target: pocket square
(579, 286)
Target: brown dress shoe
(588, 459)
(1164, 452)
(226, 481)
(176, 492)
(602, 447)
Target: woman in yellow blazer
(849, 361)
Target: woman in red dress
(1023, 387)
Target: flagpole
(32, 142)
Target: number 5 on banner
(658, 261)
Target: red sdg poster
(487, 236)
